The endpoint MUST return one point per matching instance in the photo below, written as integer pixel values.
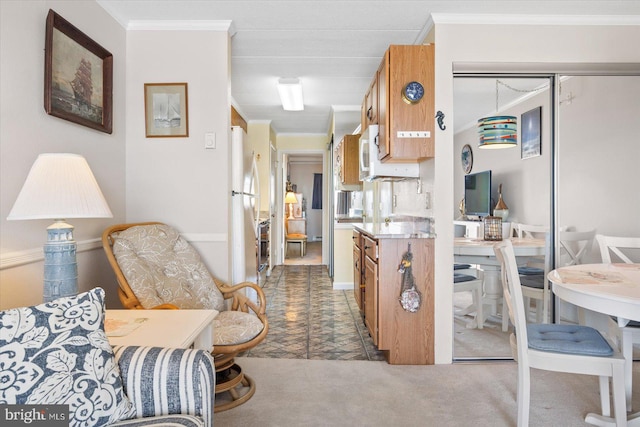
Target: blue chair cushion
(459, 278)
(461, 266)
(568, 339)
(536, 282)
(530, 271)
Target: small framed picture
(531, 133)
(166, 110)
(78, 76)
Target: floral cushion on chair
(58, 353)
(162, 267)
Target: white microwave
(372, 168)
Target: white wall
(599, 149)
(519, 43)
(177, 180)
(26, 131)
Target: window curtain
(316, 202)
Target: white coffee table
(161, 328)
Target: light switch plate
(210, 140)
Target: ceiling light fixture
(498, 131)
(290, 91)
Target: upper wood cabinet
(406, 129)
(347, 166)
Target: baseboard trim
(342, 286)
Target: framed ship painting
(78, 76)
(166, 110)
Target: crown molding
(499, 19)
(428, 26)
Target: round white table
(611, 289)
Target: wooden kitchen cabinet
(358, 287)
(371, 298)
(406, 338)
(406, 131)
(348, 168)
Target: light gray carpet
(367, 393)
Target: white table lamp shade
(60, 186)
(290, 197)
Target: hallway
(310, 320)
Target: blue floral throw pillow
(58, 353)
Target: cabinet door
(383, 119)
(364, 122)
(407, 64)
(350, 166)
(371, 297)
(340, 162)
(357, 277)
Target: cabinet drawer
(370, 247)
(356, 238)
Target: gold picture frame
(166, 110)
(78, 76)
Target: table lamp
(290, 198)
(60, 186)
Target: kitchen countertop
(397, 230)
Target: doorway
(304, 176)
(590, 166)
(524, 177)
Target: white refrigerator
(245, 208)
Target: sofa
(57, 353)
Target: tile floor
(308, 319)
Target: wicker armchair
(156, 268)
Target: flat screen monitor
(477, 194)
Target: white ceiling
(333, 47)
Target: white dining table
(480, 252)
(611, 289)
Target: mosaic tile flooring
(310, 320)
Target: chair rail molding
(29, 256)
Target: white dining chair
(534, 272)
(575, 246)
(560, 348)
(528, 231)
(469, 279)
(628, 335)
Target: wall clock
(466, 157)
(412, 93)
